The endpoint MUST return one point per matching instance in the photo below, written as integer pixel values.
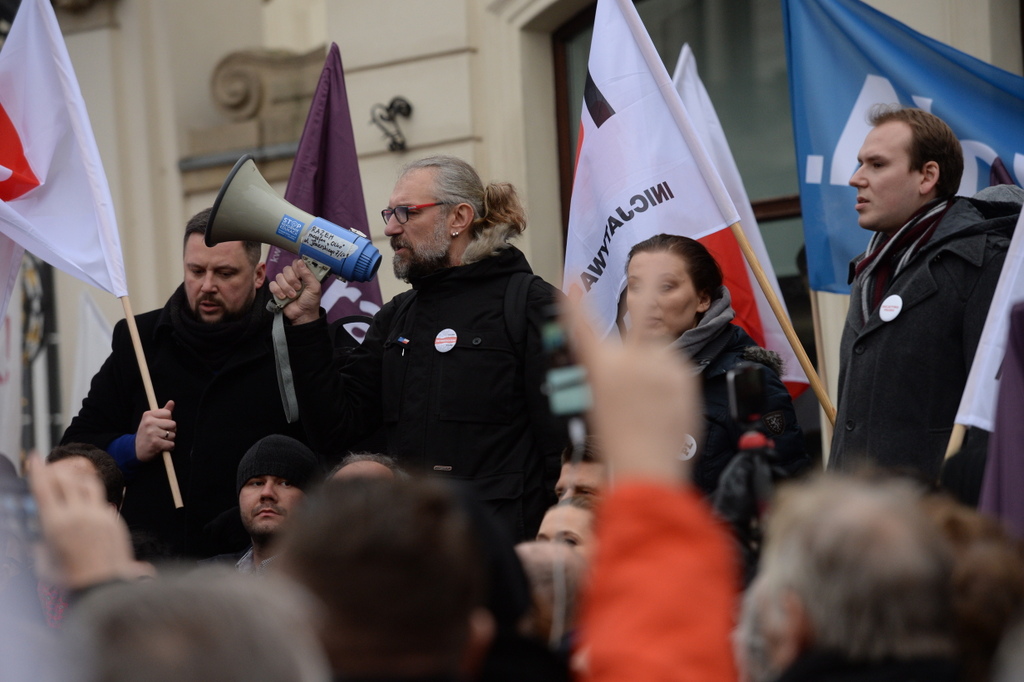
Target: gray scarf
(710, 326)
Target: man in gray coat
(920, 294)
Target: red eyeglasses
(401, 213)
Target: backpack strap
(516, 293)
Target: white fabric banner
(10, 266)
(640, 169)
(55, 199)
(978, 404)
(11, 349)
(91, 350)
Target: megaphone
(248, 209)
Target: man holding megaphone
(452, 369)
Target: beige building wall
(478, 73)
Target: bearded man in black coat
(450, 371)
(210, 356)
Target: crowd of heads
(382, 573)
(414, 547)
(869, 568)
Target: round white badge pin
(445, 340)
(890, 308)
(689, 448)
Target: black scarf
(215, 342)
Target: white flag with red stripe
(54, 198)
(640, 168)
(753, 312)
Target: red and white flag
(54, 198)
(753, 312)
(643, 168)
(640, 168)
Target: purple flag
(1004, 470)
(325, 182)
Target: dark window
(741, 57)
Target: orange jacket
(663, 592)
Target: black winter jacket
(731, 347)
(219, 414)
(900, 381)
(457, 396)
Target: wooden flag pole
(147, 381)
(787, 326)
(819, 342)
(956, 440)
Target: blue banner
(844, 57)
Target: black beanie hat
(279, 456)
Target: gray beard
(419, 266)
(429, 258)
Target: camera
(566, 382)
(748, 396)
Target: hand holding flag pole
(147, 382)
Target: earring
(454, 233)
